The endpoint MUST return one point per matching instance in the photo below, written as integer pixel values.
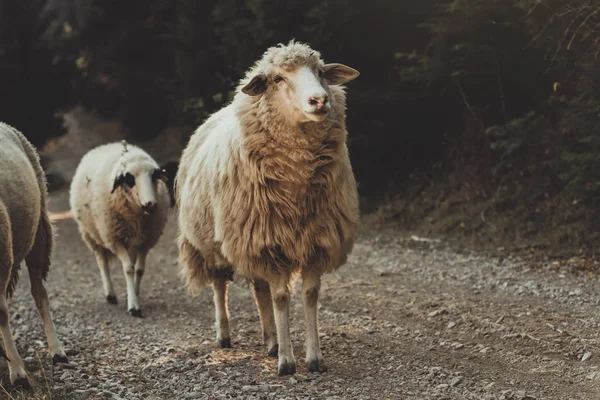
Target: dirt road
(402, 320)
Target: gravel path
(403, 319)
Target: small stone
(592, 375)
(302, 378)
(66, 375)
(454, 382)
(586, 356)
(255, 388)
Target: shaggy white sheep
(265, 188)
(120, 201)
(25, 234)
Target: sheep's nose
(149, 207)
(318, 101)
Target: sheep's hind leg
(18, 376)
(128, 260)
(281, 304)
(220, 287)
(38, 264)
(38, 291)
(264, 303)
(311, 283)
(109, 290)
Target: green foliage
(525, 75)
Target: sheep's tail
(39, 256)
(194, 269)
(6, 246)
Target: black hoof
(22, 383)
(111, 299)
(317, 366)
(225, 343)
(274, 352)
(136, 313)
(287, 369)
(58, 359)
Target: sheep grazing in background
(120, 201)
(25, 234)
(265, 189)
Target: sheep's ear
(118, 182)
(337, 74)
(256, 86)
(160, 174)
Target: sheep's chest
(132, 229)
(288, 221)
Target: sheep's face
(301, 90)
(139, 184)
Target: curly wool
(258, 196)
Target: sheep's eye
(277, 78)
(129, 180)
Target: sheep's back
(19, 192)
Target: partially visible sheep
(25, 234)
(120, 201)
(265, 188)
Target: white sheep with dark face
(120, 201)
(25, 235)
(265, 190)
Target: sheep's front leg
(281, 305)
(109, 290)
(16, 368)
(140, 267)
(127, 260)
(221, 312)
(311, 283)
(264, 303)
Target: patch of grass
(43, 387)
